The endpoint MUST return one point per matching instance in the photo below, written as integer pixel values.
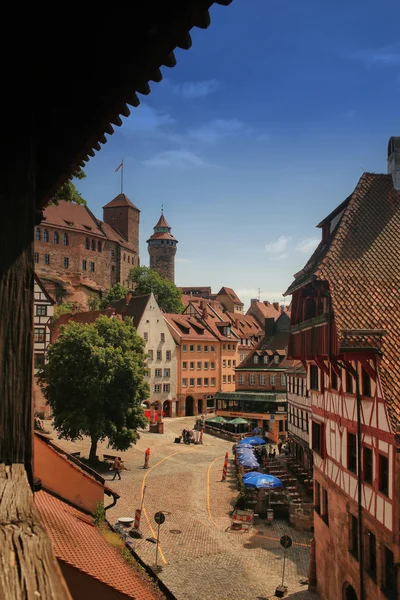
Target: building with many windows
(43, 311)
(345, 328)
(77, 255)
(161, 350)
(299, 415)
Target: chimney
(269, 326)
(253, 300)
(203, 308)
(128, 298)
(276, 306)
(394, 161)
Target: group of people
(194, 435)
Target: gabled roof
(43, 289)
(188, 329)
(275, 344)
(120, 200)
(267, 309)
(361, 264)
(246, 325)
(225, 291)
(71, 216)
(114, 236)
(88, 318)
(79, 543)
(134, 309)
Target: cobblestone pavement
(199, 558)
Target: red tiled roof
(87, 317)
(78, 542)
(121, 200)
(162, 222)
(68, 215)
(187, 328)
(162, 235)
(247, 325)
(114, 236)
(134, 309)
(267, 309)
(362, 267)
(225, 291)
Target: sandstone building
(77, 255)
(162, 249)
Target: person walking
(279, 446)
(117, 466)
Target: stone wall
(162, 260)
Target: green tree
(94, 383)
(69, 192)
(62, 309)
(115, 293)
(94, 302)
(147, 280)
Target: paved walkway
(199, 558)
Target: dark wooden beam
(16, 305)
(29, 569)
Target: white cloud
(388, 56)
(197, 89)
(175, 158)
(146, 119)
(279, 246)
(218, 129)
(308, 245)
(179, 259)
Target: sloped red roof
(190, 331)
(68, 215)
(114, 236)
(225, 291)
(247, 325)
(362, 267)
(87, 317)
(120, 200)
(162, 222)
(266, 308)
(162, 235)
(78, 542)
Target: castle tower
(124, 216)
(162, 249)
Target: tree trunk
(93, 448)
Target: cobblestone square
(200, 558)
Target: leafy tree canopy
(115, 293)
(69, 192)
(94, 383)
(147, 280)
(62, 309)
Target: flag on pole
(118, 168)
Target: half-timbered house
(345, 330)
(299, 415)
(42, 320)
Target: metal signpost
(159, 518)
(286, 542)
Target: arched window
(129, 259)
(87, 244)
(99, 246)
(66, 240)
(37, 236)
(45, 235)
(124, 256)
(93, 245)
(56, 238)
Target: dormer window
(276, 359)
(265, 360)
(255, 359)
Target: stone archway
(189, 406)
(349, 592)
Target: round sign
(159, 518)
(286, 541)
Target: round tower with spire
(162, 249)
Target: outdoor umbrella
(249, 462)
(238, 421)
(254, 441)
(243, 447)
(219, 420)
(259, 480)
(245, 452)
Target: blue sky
(262, 128)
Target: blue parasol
(249, 462)
(253, 441)
(259, 480)
(241, 445)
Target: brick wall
(125, 219)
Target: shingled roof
(361, 264)
(120, 200)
